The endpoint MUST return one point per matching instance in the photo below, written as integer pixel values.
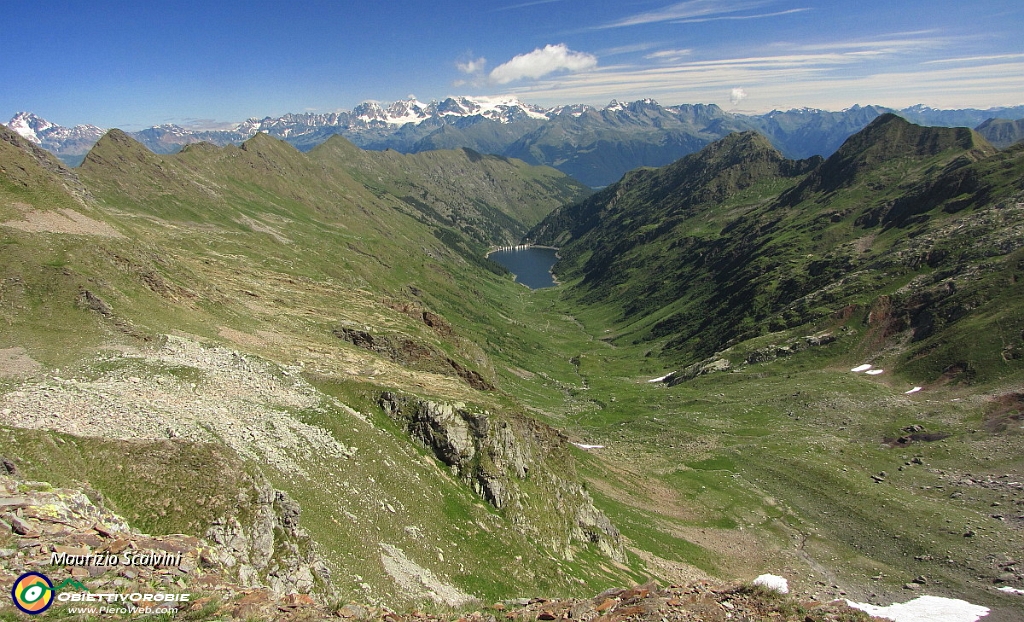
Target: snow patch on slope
(926, 609)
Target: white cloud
(472, 66)
(525, 5)
(974, 59)
(541, 62)
(737, 95)
(475, 68)
(668, 55)
(627, 49)
(201, 125)
(715, 18)
(687, 10)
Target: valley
(768, 468)
(255, 330)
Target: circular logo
(32, 593)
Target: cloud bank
(897, 70)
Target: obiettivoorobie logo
(33, 593)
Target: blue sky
(147, 62)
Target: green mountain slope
(1002, 132)
(290, 340)
(728, 297)
(736, 242)
(258, 306)
(490, 199)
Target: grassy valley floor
(839, 480)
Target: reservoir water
(530, 264)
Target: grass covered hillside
(911, 231)
(490, 199)
(726, 299)
(232, 321)
(306, 361)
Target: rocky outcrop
(415, 310)
(707, 366)
(271, 549)
(72, 533)
(500, 457)
(401, 349)
(766, 354)
(71, 536)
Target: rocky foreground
(42, 525)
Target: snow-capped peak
(29, 126)
(42, 132)
(574, 110)
(407, 111)
(504, 109)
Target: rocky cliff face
(271, 549)
(506, 461)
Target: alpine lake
(530, 264)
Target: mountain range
(301, 365)
(594, 145)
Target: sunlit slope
(490, 199)
(724, 301)
(255, 300)
(909, 230)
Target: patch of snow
(497, 107)
(660, 379)
(926, 609)
(874, 372)
(773, 582)
(583, 446)
(861, 368)
(914, 390)
(1011, 590)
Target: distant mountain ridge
(1002, 132)
(594, 145)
